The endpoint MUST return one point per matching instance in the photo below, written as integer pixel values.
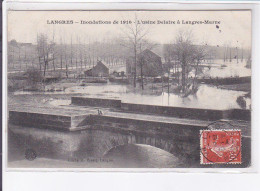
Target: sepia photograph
(129, 89)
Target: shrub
(34, 77)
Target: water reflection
(142, 156)
(208, 97)
(81, 149)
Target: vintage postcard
(129, 89)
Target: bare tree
(44, 50)
(66, 60)
(145, 44)
(85, 54)
(189, 55)
(19, 56)
(53, 51)
(168, 59)
(135, 34)
(225, 52)
(61, 54)
(242, 52)
(200, 52)
(11, 53)
(230, 53)
(71, 52)
(184, 52)
(76, 54)
(39, 51)
(25, 57)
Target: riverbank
(246, 87)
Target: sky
(234, 28)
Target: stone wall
(241, 114)
(39, 120)
(180, 112)
(48, 121)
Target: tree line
(181, 57)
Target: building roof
(149, 53)
(100, 64)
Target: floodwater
(207, 97)
(223, 69)
(142, 156)
(126, 156)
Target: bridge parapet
(49, 120)
(96, 102)
(180, 112)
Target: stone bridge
(94, 135)
(81, 132)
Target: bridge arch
(98, 142)
(118, 140)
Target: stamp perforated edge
(201, 155)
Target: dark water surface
(54, 148)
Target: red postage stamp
(220, 146)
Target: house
(148, 62)
(100, 70)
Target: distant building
(21, 55)
(147, 61)
(100, 70)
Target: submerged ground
(207, 97)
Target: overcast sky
(234, 29)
